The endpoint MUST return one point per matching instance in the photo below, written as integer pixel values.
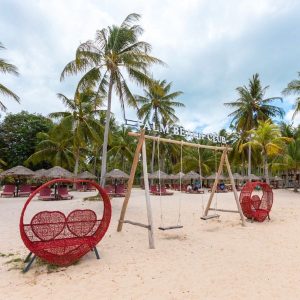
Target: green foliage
(18, 136)
(7, 68)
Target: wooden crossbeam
(224, 210)
(164, 140)
(136, 224)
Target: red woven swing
(254, 207)
(60, 239)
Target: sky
(210, 48)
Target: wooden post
(131, 179)
(147, 196)
(234, 190)
(215, 182)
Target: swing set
(141, 147)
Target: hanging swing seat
(170, 227)
(210, 217)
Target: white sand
(215, 259)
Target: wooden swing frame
(141, 147)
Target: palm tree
(7, 68)
(81, 117)
(115, 51)
(267, 138)
(293, 88)
(252, 107)
(54, 147)
(158, 106)
(122, 148)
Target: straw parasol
(86, 175)
(18, 171)
(251, 177)
(213, 176)
(237, 176)
(117, 174)
(158, 174)
(178, 176)
(192, 175)
(41, 173)
(277, 178)
(59, 172)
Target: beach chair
(110, 190)
(8, 190)
(46, 194)
(80, 187)
(90, 187)
(153, 189)
(63, 193)
(120, 190)
(25, 190)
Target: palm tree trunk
(249, 162)
(106, 131)
(266, 169)
(153, 156)
(295, 182)
(76, 166)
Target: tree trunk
(106, 132)
(266, 169)
(76, 166)
(249, 162)
(295, 182)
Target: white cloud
(211, 47)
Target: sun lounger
(25, 190)
(46, 194)
(80, 187)
(8, 190)
(63, 193)
(90, 187)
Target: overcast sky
(211, 47)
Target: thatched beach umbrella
(158, 174)
(41, 173)
(86, 175)
(59, 172)
(117, 174)
(192, 175)
(17, 172)
(213, 177)
(277, 178)
(237, 176)
(178, 175)
(252, 177)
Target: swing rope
(159, 185)
(180, 188)
(201, 182)
(216, 193)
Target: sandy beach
(214, 259)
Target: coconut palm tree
(252, 107)
(54, 147)
(7, 68)
(116, 51)
(293, 88)
(268, 140)
(158, 106)
(122, 148)
(81, 115)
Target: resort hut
(18, 172)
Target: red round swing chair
(60, 239)
(254, 207)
